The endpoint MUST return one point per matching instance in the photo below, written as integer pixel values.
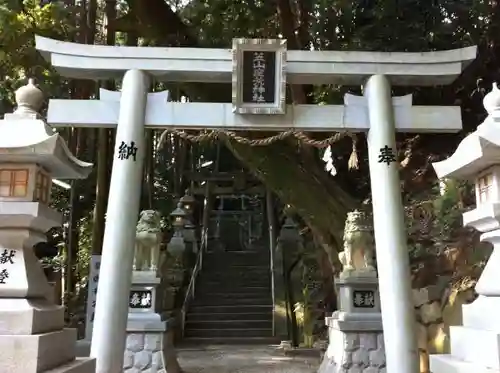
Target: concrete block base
(355, 322)
(29, 316)
(474, 347)
(449, 364)
(80, 365)
(474, 315)
(480, 347)
(83, 348)
(36, 353)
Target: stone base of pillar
(361, 350)
(475, 346)
(355, 337)
(149, 347)
(145, 352)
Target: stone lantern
(173, 270)
(289, 233)
(32, 333)
(475, 346)
(287, 251)
(176, 245)
(187, 203)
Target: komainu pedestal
(149, 345)
(355, 337)
(147, 338)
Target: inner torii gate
(259, 71)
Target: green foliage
(448, 209)
(19, 22)
(438, 243)
(217, 22)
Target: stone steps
(233, 324)
(228, 332)
(233, 302)
(208, 301)
(204, 288)
(238, 316)
(232, 285)
(239, 295)
(230, 309)
(239, 275)
(230, 341)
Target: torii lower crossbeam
(160, 114)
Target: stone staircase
(233, 301)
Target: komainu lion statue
(358, 245)
(147, 241)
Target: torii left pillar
(110, 323)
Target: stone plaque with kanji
(140, 299)
(363, 298)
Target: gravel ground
(243, 359)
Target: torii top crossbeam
(215, 65)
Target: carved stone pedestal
(356, 342)
(146, 348)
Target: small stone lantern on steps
(32, 334)
(475, 346)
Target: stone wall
(430, 327)
(435, 318)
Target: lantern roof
(26, 138)
(478, 150)
(178, 212)
(187, 198)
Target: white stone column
(109, 335)
(398, 317)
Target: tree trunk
(103, 155)
(82, 89)
(74, 218)
(320, 202)
(148, 172)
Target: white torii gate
(134, 109)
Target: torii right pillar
(475, 346)
(393, 262)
